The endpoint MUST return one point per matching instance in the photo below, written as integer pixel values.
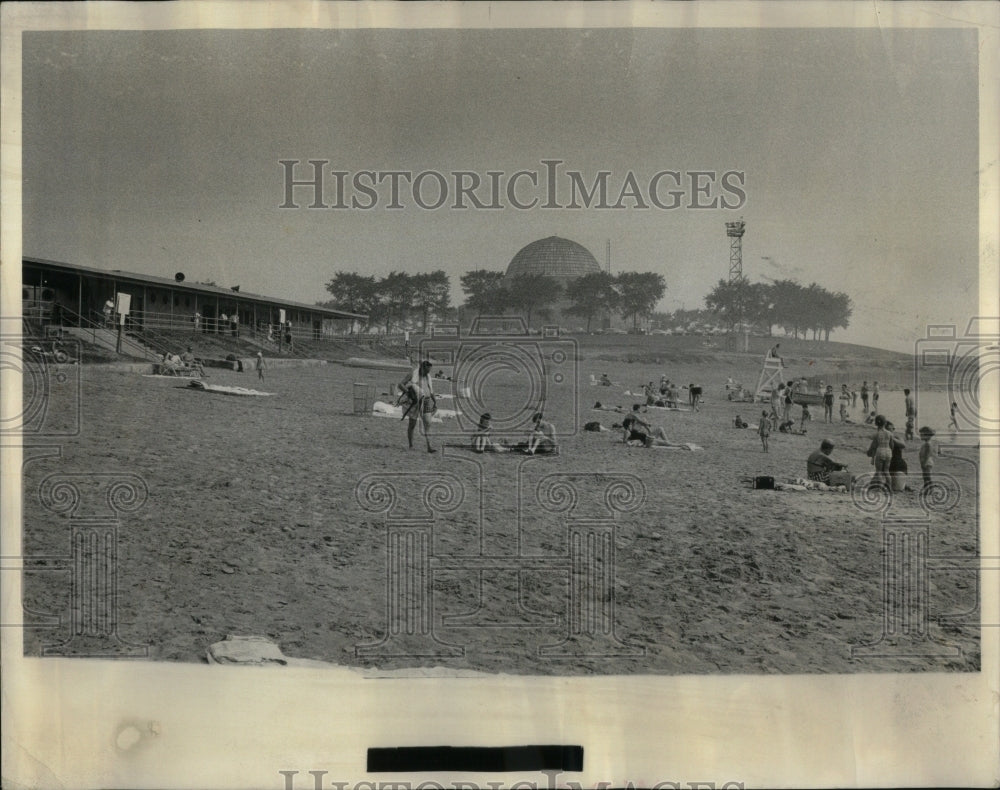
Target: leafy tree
(592, 295)
(484, 291)
(533, 293)
(396, 298)
(640, 291)
(729, 299)
(354, 293)
(431, 295)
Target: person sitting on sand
(739, 422)
(636, 431)
(843, 414)
(820, 464)
(542, 438)
(189, 360)
(605, 381)
(482, 439)
(169, 364)
(870, 419)
(673, 396)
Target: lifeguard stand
(771, 375)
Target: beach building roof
(182, 286)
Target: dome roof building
(561, 259)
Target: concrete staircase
(108, 340)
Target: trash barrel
(364, 397)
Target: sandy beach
(252, 526)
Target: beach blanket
(221, 389)
(683, 446)
(802, 484)
(383, 409)
(519, 450)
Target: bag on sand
(763, 483)
(841, 478)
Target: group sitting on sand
(173, 364)
(541, 439)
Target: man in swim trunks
(422, 404)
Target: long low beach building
(73, 295)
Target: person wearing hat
(259, 364)
(926, 454)
(820, 464)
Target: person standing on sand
(953, 423)
(417, 385)
(259, 364)
(786, 413)
(911, 413)
(880, 451)
(828, 404)
(864, 396)
(764, 429)
(926, 455)
(875, 396)
(897, 464)
(694, 392)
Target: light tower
(735, 231)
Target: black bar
(479, 759)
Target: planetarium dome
(561, 259)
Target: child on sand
(764, 429)
(926, 455)
(739, 422)
(259, 364)
(953, 424)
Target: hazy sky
(159, 152)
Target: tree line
(404, 300)
(399, 298)
(794, 307)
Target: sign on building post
(123, 303)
